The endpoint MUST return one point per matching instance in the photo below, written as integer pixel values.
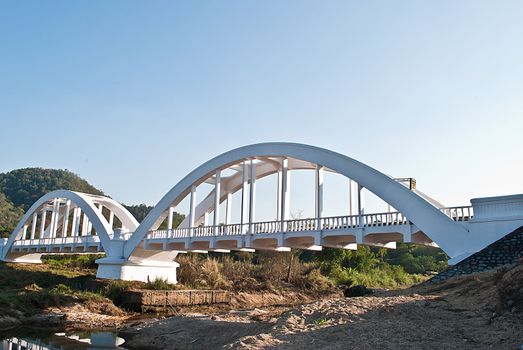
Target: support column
(206, 219)
(42, 223)
(56, 220)
(243, 214)
(74, 223)
(90, 225)
(33, 225)
(361, 207)
(54, 214)
(24, 232)
(89, 228)
(228, 209)
(252, 194)
(77, 222)
(111, 219)
(217, 194)
(170, 218)
(318, 196)
(285, 194)
(85, 222)
(192, 210)
(353, 197)
(66, 218)
(278, 196)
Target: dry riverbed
(483, 311)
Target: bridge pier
(139, 270)
(144, 265)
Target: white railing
(57, 241)
(461, 214)
(298, 225)
(265, 227)
(384, 219)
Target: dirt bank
(475, 312)
(102, 313)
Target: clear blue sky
(132, 95)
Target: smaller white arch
(87, 203)
(125, 217)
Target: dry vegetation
(267, 271)
(482, 311)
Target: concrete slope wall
(505, 251)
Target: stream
(26, 339)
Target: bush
(84, 261)
(205, 272)
(313, 281)
(188, 272)
(211, 275)
(159, 283)
(389, 276)
(114, 289)
(61, 289)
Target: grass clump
(76, 261)
(159, 283)
(115, 288)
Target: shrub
(188, 272)
(84, 261)
(61, 289)
(212, 277)
(313, 281)
(159, 283)
(114, 289)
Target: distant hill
(140, 211)
(20, 188)
(9, 216)
(23, 187)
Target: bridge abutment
(494, 217)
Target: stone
(356, 291)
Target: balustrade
(460, 214)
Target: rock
(46, 319)
(356, 291)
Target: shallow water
(25, 339)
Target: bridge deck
(310, 233)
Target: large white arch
(423, 214)
(87, 203)
(265, 168)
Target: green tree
(23, 187)
(9, 216)
(140, 211)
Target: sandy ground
(462, 313)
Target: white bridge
(64, 222)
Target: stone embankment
(145, 300)
(504, 252)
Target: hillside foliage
(23, 187)
(9, 216)
(140, 211)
